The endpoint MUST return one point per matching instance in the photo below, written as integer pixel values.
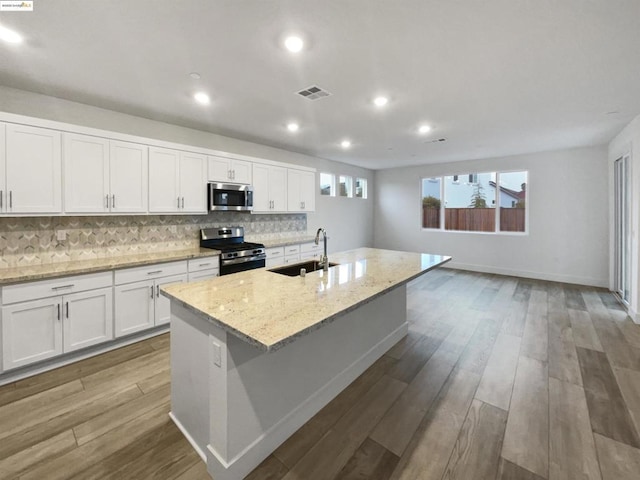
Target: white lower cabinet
(56, 322)
(203, 268)
(139, 305)
(88, 319)
(31, 332)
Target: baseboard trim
(262, 447)
(552, 277)
(189, 438)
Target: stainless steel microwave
(229, 196)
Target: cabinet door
(86, 174)
(193, 183)
(87, 318)
(294, 196)
(261, 200)
(308, 189)
(164, 171)
(31, 331)
(163, 304)
(134, 307)
(129, 178)
(3, 170)
(241, 171)
(34, 169)
(219, 169)
(278, 188)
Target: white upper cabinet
(177, 181)
(3, 169)
(269, 189)
(86, 174)
(193, 183)
(301, 190)
(33, 169)
(223, 169)
(104, 176)
(164, 169)
(128, 177)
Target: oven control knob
(257, 251)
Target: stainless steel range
(237, 255)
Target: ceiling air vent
(313, 92)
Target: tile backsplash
(33, 240)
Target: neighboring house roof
(511, 193)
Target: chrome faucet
(324, 260)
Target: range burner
(237, 255)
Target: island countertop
(269, 310)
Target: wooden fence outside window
(475, 219)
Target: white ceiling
(493, 77)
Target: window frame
(497, 207)
(332, 186)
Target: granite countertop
(78, 267)
(270, 242)
(269, 310)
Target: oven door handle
(236, 261)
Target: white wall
(624, 143)
(568, 236)
(348, 221)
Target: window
(328, 184)
(431, 203)
(513, 201)
(471, 206)
(361, 188)
(346, 186)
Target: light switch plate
(61, 235)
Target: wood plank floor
(499, 378)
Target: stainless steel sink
(294, 270)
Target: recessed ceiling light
(424, 129)
(9, 35)
(202, 98)
(345, 143)
(194, 75)
(293, 127)
(380, 101)
(293, 43)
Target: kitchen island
(254, 355)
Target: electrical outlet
(217, 355)
(61, 235)
(173, 228)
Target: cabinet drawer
(204, 275)
(292, 249)
(310, 247)
(205, 263)
(274, 252)
(292, 258)
(149, 272)
(59, 286)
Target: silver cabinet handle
(106, 201)
(62, 286)
(1, 192)
(151, 291)
(67, 305)
(158, 291)
(178, 202)
(10, 198)
(113, 201)
(154, 272)
(234, 174)
(58, 306)
(204, 264)
(182, 202)
(229, 174)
